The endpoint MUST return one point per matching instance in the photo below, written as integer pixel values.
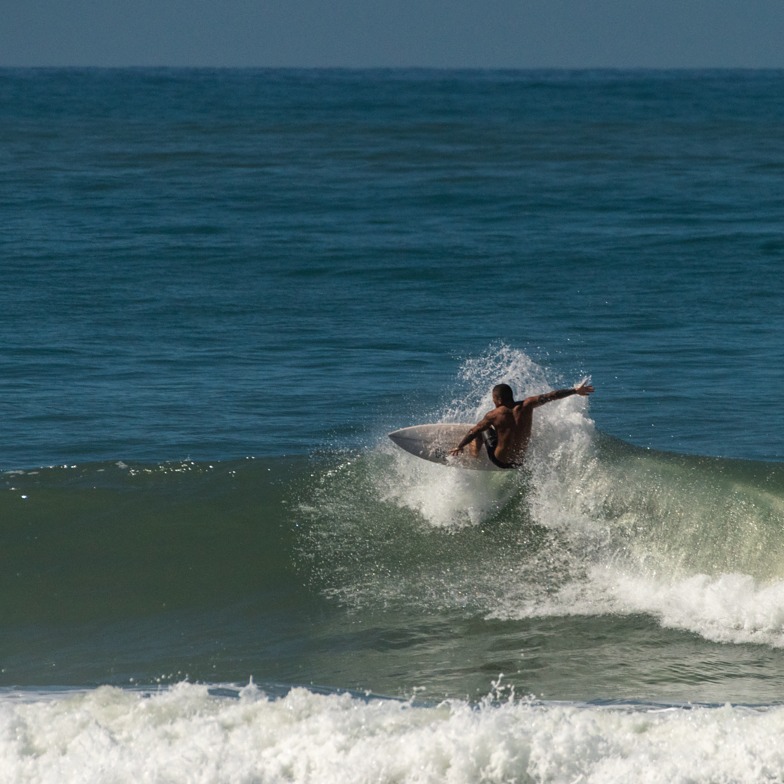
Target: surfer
(507, 428)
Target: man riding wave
(507, 428)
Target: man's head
(503, 395)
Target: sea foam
(188, 734)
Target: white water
(186, 734)
(450, 498)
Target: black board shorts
(491, 442)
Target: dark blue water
(221, 289)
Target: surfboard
(433, 442)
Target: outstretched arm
(583, 389)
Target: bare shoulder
(486, 420)
(501, 416)
(491, 416)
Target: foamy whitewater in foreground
(187, 734)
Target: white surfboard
(433, 442)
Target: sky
(394, 33)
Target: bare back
(512, 421)
(513, 427)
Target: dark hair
(503, 391)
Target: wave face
(594, 526)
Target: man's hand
(456, 451)
(583, 388)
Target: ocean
(221, 289)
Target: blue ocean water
(221, 289)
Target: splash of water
(449, 498)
